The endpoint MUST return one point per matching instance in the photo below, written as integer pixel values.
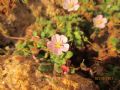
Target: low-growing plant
(53, 42)
(64, 33)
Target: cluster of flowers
(59, 43)
(73, 5)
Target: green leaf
(34, 33)
(68, 55)
(57, 68)
(39, 45)
(114, 41)
(45, 67)
(72, 70)
(85, 39)
(77, 35)
(42, 34)
(62, 61)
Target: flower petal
(71, 9)
(57, 51)
(94, 20)
(102, 26)
(56, 38)
(65, 4)
(75, 1)
(76, 7)
(105, 20)
(50, 45)
(65, 47)
(63, 39)
(67, 1)
(99, 16)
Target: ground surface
(19, 73)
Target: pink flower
(58, 44)
(99, 21)
(65, 69)
(71, 5)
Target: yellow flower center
(99, 22)
(70, 5)
(58, 45)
